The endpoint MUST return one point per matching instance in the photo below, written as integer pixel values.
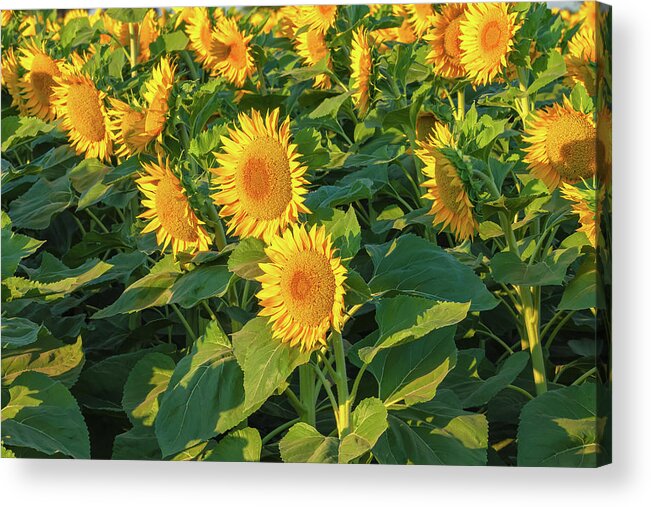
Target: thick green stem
(307, 393)
(523, 78)
(133, 48)
(461, 104)
(343, 398)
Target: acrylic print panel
(324, 234)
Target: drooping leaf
(415, 266)
(368, 422)
(565, 428)
(245, 258)
(265, 361)
(304, 444)
(204, 397)
(507, 268)
(201, 283)
(43, 415)
(238, 445)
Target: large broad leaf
(304, 444)
(43, 415)
(144, 387)
(154, 289)
(205, 396)
(413, 265)
(343, 228)
(18, 332)
(584, 290)
(138, 443)
(57, 360)
(470, 388)
(36, 207)
(412, 372)
(202, 283)
(245, 258)
(368, 422)
(101, 385)
(327, 196)
(238, 445)
(403, 319)
(565, 428)
(127, 15)
(507, 267)
(434, 433)
(265, 361)
(14, 247)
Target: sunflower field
(326, 234)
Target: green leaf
(265, 361)
(154, 289)
(205, 396)
(412, 372)
(466, 383)
(357, 291)
(14, 248)
(554, 70)
(127, 15)
(245, 258)
(47, 355)
(342, 226)
(584, 290)
(304, 444)
(15, 129)
(142, 391)
(87, 179)
(138, 443)
(433, 434)
(403, 319)
(238, 446)
(36, 207)
(43, 415)
(201, 283)
(18, 332)
(175, 41)
(415, 266)
(507, 268)
(368, 422)
(327, 196)
(565, 428)
(329, 107)
(580, 99)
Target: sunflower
(435, 133)
(6, 17)
(128, 128)
(302, 287)
(157, 93)
(311, 47)
(288, 18)
(268, 16)
(445, 52)
(317, 17)
(168, 210)
(81, 106)
(486, 40)
(237, 63)
(74, 14)
(361, 66)
(198, 28)
(451, 204)
(605, 145)
(586, 204)
(403, 33)
(260, 183)
(11, 78)
(27, 26)
(36, 85)
(581, 56)
(563, 145)
(420, 17)
(148, 32)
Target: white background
(626, 482)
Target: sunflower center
(451, 39)
(263, 179)
(173, 210)
(308, 287)
(572, 147)
(85, 112)
(491, 37)
(447, 185)
(42, 77)
(237, 53)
